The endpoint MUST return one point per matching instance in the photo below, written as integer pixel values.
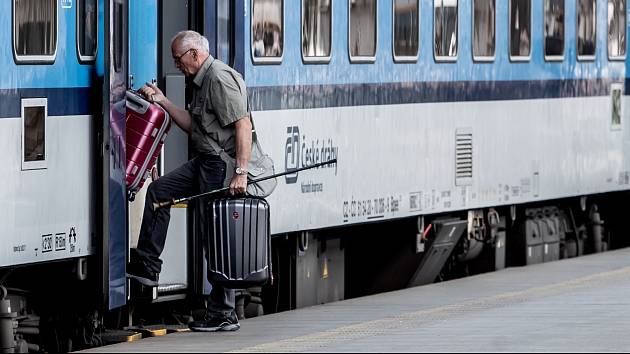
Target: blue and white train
(490, 132)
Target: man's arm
(243, 127)
(179, 115)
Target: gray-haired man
(218, 111)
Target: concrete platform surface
(575, 305)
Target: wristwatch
(240, 171)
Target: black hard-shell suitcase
(239, 242)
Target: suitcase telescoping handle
(171, 202)
(136, 102)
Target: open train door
(219, 21)
(223, 26)
(182, 268)
(113, 245)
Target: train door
(218, 29)
(223, 26)
(173, 17)
(212, 18)
(217, 26)
(143, 65)
(114, 212)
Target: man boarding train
(218, 114)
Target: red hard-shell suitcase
(147, 126)
(239, 242)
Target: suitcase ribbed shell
(238, 242)
(146, 127)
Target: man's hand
(238, 184)
(153, 94)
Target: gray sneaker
(216, 323)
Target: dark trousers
(199, 175)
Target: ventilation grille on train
(463, 157)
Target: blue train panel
(340, 70)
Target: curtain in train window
(267, 28)
(316, 28)
(86, 32)
(520, 31)
(35, 27)
(586, 27)
(363, 28)
(406, 28)
(445, 26)
(554, 28)
(616, 28)
(484, 28)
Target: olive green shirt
(219, 99)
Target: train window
(316, 30)
(118, 36)
(445, 30)
(617, 105)
(484, 30)
(586, 29)
(267, 30)
(554, 29)
(224, 32)
(35, 30)
(406, 25)
(520, 30)
(362, 29)
(34, 113)
(86, 30)
(616, 29)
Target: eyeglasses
(178, 59)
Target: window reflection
(616, 28)
(87, 32)
(34, 137)
(267, 28)
(484, 28)
(316, 27)
(406, 28)
(363, 28)
(586, 27)
(35, 31)
(445, 28)
(554, 27)
(520, 31)
(223, 31)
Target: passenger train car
(470, 136)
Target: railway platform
(575, 305)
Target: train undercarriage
(50, 307)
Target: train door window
(87, 15)
(118, 36)
(586, 29)
(34, 113)
(362, 31)
(224, 32)
(616, 29)
(554, 29)
(484, 30)
(35, 30)
(316, 30)
(267, 31)
(406, 26)
(445, 30)
(520, 30)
